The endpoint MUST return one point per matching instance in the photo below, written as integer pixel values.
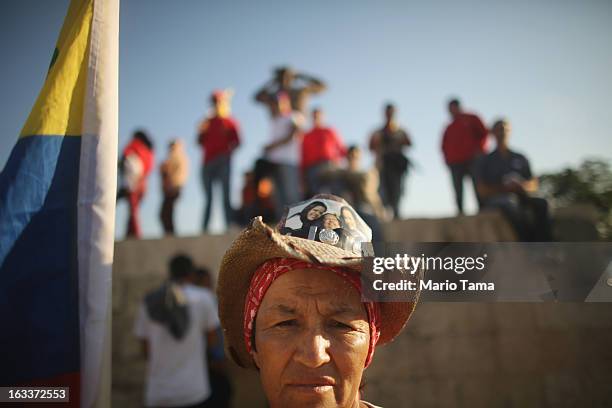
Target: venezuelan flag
(57, 210)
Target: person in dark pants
(505, 182)
(388, 144)
(464, 140)
(217, 171)
(219, 137)
(459, 171)
(286, 98)
(173, 175)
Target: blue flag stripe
(38, 259)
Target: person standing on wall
(463, 142)
(174, 171)
(219, 136)
(281, 155)
(135, 166)
(322, 150)
(388, 144)
(285, 96)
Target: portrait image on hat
(327, 220)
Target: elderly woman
(302, 323)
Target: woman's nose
(313, 350)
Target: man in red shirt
(322, 149)
(464, 140)
(219, 136)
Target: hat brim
(259, 243)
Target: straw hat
(259, 243)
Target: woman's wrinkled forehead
(301, 289)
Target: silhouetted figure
(388, 144)
(220, 383)
(257, 200)
(464, 140)
(135, 166)
(322, 150)
(504, 181)
(281, 156)
(176, 323)
(219, 137)
(174, 171)
(360, 188)
(296, 86)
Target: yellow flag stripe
(58, 111)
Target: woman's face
(330, 221)
(315, 212)
(312, 337)
(349, 220)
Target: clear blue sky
(545, 65)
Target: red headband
(272, 269)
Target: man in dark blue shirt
(504, 181)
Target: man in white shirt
(282, 153)
(170, 324)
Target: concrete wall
(484, 227)
(450, 355)
(497, 355)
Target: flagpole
(97, 197)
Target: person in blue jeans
(219, 137)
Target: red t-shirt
(321, 144)
(145, 154)
(218, 136)
(464, 138)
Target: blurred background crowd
(542, 66)
(302, 157)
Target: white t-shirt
(133, 171)
(176, 375)
(280, 126)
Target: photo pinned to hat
(328, 219)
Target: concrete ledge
(488, 226)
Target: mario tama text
(431, 285)
(403, 272)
